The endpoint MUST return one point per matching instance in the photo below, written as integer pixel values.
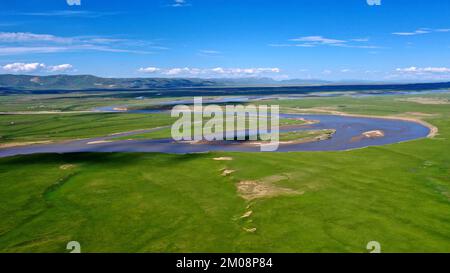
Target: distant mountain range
(66, 83)
(83, 82)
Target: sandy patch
(405, 116)
(67, 166)
(305, 122)
(430, 101)
(308, 139)
(251, 230)
(120, 109)
(254, 189)
(17, 144)
(247, 214)
(224, 158)
(328, 110)
(373, 134)
(227, 172)
(98, 142)
(420, 114)
(368, 134)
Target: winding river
(347, 129)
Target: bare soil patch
(224, 158)
(17, 144)
(247, 214)
(251, 230)
(67, 166)
(263, 188)
(406, 116)
(99, 142)
(369, 134)
(430, 101)
(120, 109)
(227, 172)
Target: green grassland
(381, 106)
(53, 127)
(74, 101)
(72, 123)
(167, 132)
(398, 195)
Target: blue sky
(399, 40)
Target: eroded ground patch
(264, 188)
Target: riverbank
(433, 129)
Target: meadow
(398, 195)
(57, 127)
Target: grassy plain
(398, 195)
(53, 127)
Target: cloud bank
(35, 67)
(425, 70)
(315, 41)
(16, 43)
(421, 31)
(211, 72)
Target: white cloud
(317, 40)
(60, 68)
(305, 45)
(374, 2)
(35, 67)
(182, 71)
(313, 41)
(209, 52)
(360, 39)
(239, 72)
(66, 13)
(414, 73)
(23, 67)
(74, 2)
(13, 37)
(30, 43)
(212, 72)
(42, 49)
(30, 50)
(149, 69)
(417, 32)
(425, 70)
(179, 3)
(421, 31)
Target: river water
(347, 129)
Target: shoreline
(46, 112)
(434, 131)
(21, 144)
